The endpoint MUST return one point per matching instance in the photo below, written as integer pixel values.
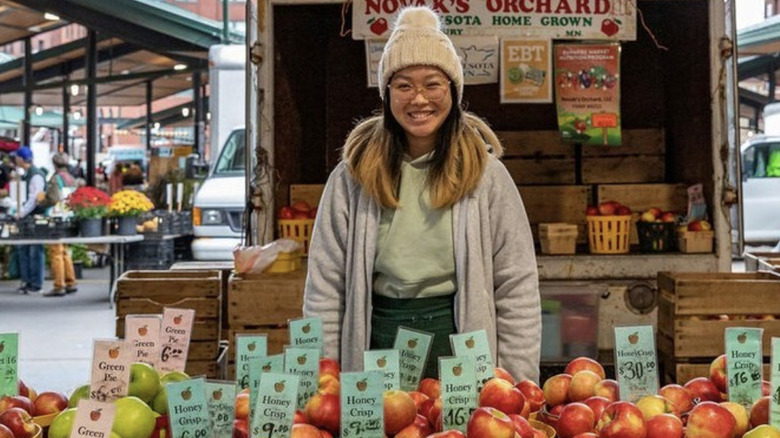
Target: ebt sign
(569, 19)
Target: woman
(420, 225)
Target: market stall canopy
(18, 21)
(10, 117)
(170, 117)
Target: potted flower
(127, 205)
(89, 205)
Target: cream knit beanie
(418, 40)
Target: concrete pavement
(56, 333)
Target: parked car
(760, 195)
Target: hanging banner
(478, 55)
(587, 93)
(525, 69)
(554, 19)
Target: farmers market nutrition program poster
(587, 85)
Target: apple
(608, 208)
(448, 434)
(502, 395)
(418, 398)
(766, 387)
(16, 401)
(597, 404)
(330, 366)
(80, 392)
(711, 420)
(133, 418)
(487, 422)
(324, 411)
(609, 27)
(240, 429)
(718, 373)
(582, 385)
(5, 432)
(575, 418)
(592, 210)
(680, 397)
(762, 431)
(703, 389)
(584, 363)
(664, 426)
(23, 390)
(622, 210)
(647, 216)
(300, 417)
(741, 416)
(50, 402)
(242, 406)
(144, 381)
(62, 424)
(534, 396)
(430, 387)
(503, 374)
(607, 388)
(328, 384)
(425, 407)
(18, 421)
(399, 411)
(159, 403)
(556, 388)
(654, 404)
(759, 412)
(621, 419)
(304, 431)
(579, 435)
(415, 430)
(522, 426)
(549, 415)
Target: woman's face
(420, 101)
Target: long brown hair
(374, 152)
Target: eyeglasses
(432, 91)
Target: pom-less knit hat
(418, 40)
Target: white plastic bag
(252, 260)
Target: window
(231, 159)
(761, 160)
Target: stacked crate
(695, 309)
(263, 304)
(148, 292)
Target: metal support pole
(225, 22)
(771, 74)
(92, 132)
(197, 113)
(28, 82)
(148, 115)
(66, 119)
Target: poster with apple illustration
(587, 93)
(9, 364)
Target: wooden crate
(641, 159)
(558, 238)
(212, 369)
(691, 304)
(545, 204)
(695, 242)
(225, 267)
(309, 193)
(269, 299)
(538, 157)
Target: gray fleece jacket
(498, 288)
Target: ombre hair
(374, 151)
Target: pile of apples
(655, 214)
(699, 225)
(299, 210)
(17, 412)
(608, 208)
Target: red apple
(759, 412)
(703, 389)
(329, 366)
(418, 398)
(654, 404)
(584, 363)
(522, 426)
(430, 387)
(325, 433)
(609, 389)
(324, 411)
(242, 406)
(575, 418)
(580, 435)
(718, 373)
(622, 210)
(621, 419)
(680, 397)
(299, 417)
(305, 431)
(534, 396)
(16, 401)
(50, 402)
(399, 410)
(487, 422)
(504, 374)
(24, 391)
(582, 385)
(597, 405)
(240, 429)
(695, 226)
(766, 387)
(664, 426)
(433, 412)
(592, 210)
(710, 420)
(18, 421)
(425, 407)
(741, 416)
(5, 432)
(328, 384)
(502, 395)
(608, 208)
(448, 434)
(762, 431)
(556, 388)
(415, 430)
(668, 216)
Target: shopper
(60, 186)
(421, 225)
(31, 258)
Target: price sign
(220, 397)
(743, 364)
(636, 364)
(175, 338)
(774, 411)
(188, 409)
(110, 370)
(362, 411)
(414, 346)
(274, 411)
(9, 364)
(258, 366)
(306, 333)
(143, 333)
(305, 363)
(93, 418)
(475, 344)
(458, 391)
(387, 361)
(248, 347)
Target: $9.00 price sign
(275, 406)
(636, 364)
(362, 412)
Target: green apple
(80, 392)
(133, 419)
(62, 424)
(144, 381)
(173, 376)
(160, 401)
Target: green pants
(433, 315)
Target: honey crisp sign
(552, 19)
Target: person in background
(31, 257)
(78, 170)
(60, 186)
(115, 180)
(421, 225)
